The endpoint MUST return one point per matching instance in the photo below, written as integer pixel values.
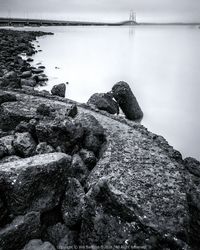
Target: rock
(39, 245)
(94, 135)
(26, 74)
(7, 141)
(28, 82)
(20, 231)
(3, 150)
(44, 148)
(12, 113)
(104, 102)
(37, 71)
(73, 203)
(69, 241)
(78, 169)
(27, 127)
(44, 110)
(3, 211)
(64, 134)
(127, 101)
(9, 159)
(72, 111)
(88, 158)
(55, 233)
(29, 59)
(192, 165)
(59, 90)
(10, 80)
(6, 97)
(36, 183)
(24, 144)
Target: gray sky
(147, 10)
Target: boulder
(127, 101)
(24, 144)
(7, 141)
(12, 113)
(73, 203)
(9, 158)
(192, 165)
(44, 110)
(20, 231)
(59, 90)
(10, 80)
(63, 134)
(44, 148)
(37, 71)
(72, 111)
(104, 102)
(55, 233)
(78, 169)
(6, 97)
(94, 135)
(88, 158)
(26, 74)
(36, 183)
(28, 82)
(39, 245)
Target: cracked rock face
(35, 183)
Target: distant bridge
(41, 22)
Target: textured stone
(35, 183)
(24, 144)
(59, 90)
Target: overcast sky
(147, 10)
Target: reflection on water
(160, 63)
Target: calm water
(161, 64)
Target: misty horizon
(92, 10)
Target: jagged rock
(26, 74)
(72, 111)
(69, 241)
(24, 144)
(64, 134)
(28, 82)
(59, 90)
(20, 231)
(6, 97)
(192, 165)
(127, 101)
(73, 203)
(35, 183)
(78, 169)
(104, 102)
(7, 141)
(27, 127)
(44, 148)
(55, 233)
(94, 135)
(44, 110)
(88, 158)
(12, 113)
(37, 244)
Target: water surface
(161, 64)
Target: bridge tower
(132, 17)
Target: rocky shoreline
(80, 176)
